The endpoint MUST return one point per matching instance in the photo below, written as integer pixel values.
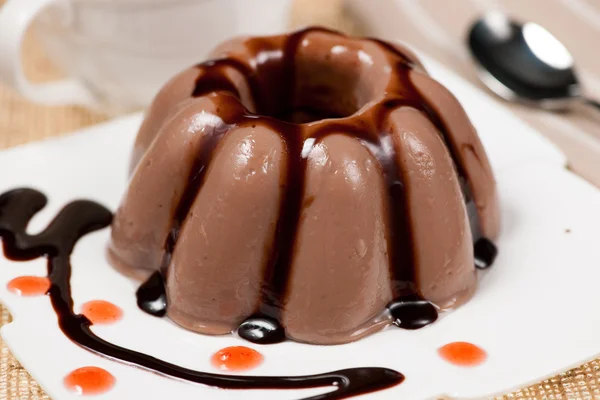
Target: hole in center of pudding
(319, 91)
(324, 81)
(322, 89)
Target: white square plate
(542, 292)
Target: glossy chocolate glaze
(151, 296)
(485, 253)
(412, 312)
(261, 330)
(265, 84)
(57, 241)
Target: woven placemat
(22, 122)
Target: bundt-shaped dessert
(310, 185)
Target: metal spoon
(525, 63)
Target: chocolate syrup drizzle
(273, 77)
(56, 243)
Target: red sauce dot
(29, 285)
(463, 354)
(236, 358)
(89, 381)
(101, 312)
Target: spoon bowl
(525, 63)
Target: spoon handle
(593, 103)
(591, 106)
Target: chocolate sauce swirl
(56, 243)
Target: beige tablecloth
(436, 27)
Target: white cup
(117, 53)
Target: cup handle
(15, 18)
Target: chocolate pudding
(312, 186)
